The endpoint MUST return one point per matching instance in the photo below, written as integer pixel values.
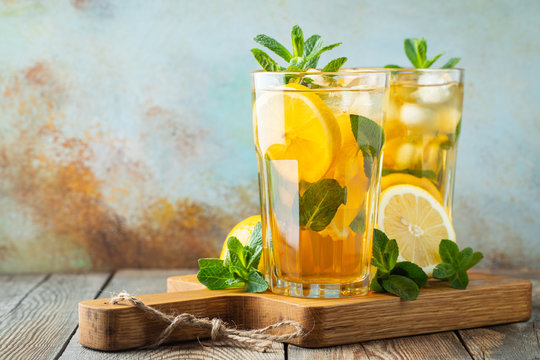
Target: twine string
(256, 339)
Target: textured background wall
(125, 127)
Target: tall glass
(422, 131)
(318, 140)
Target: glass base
(320, 291)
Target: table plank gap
(512, 341)
(66, 342)
(443, 346)
(354, 351)
(41, 323)
(154, 281)
(15, 288)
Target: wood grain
(489, 299)
(354, 351)
(44, 320)
(440, 346)
(14, 288)
(519, 341)
(153, 281)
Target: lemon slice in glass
(417, 221)
(294, 123)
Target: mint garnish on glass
(405, 279)
(305, 54)
(239, 267)
(416, 51)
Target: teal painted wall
(126, 140)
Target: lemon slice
(243, 231)
(408, 179)
(417, 221)
(295, 124)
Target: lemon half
(417, 221)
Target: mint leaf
(236, 255)
(401, 286)
(475, 259)
(385, 251)
(312, 63)
(451, 63)
(358, 225)
(206, 262)
(375, 285)
(256, 282)
(273, 45)
(215, 277)
(266, 62)
(459, 280)
(429, 174)
(297, 38)
(392, 66)
(317, 54)
(411, 50)
(411, 271)
(254, 246)
(449, 252)
(334, 65)
(313, 43)
(422, 50)
(443, 271)
(318, 205)
(428, 64)
(370, 138)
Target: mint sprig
(416, 51)
(305, 54)
(403, 279)
(239, 267)
(455, 264)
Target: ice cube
(447, 120)
(418, 118)
(407, 156)
(433, 88)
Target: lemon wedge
(294, 123)
(417, 221)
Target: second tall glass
(318, 139)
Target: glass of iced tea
(422, 131)
(318, 140)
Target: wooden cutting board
(488, 300)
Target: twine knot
(256, 339)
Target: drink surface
(317, 180)
(422, 130)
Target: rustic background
(125, 126)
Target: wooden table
(38, 320)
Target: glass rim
(434, 70)
(347, 71)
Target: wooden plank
(44, 320)
(440, 346)
(15, 288)
(154, 281)
(354, 351)
(518, 341)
